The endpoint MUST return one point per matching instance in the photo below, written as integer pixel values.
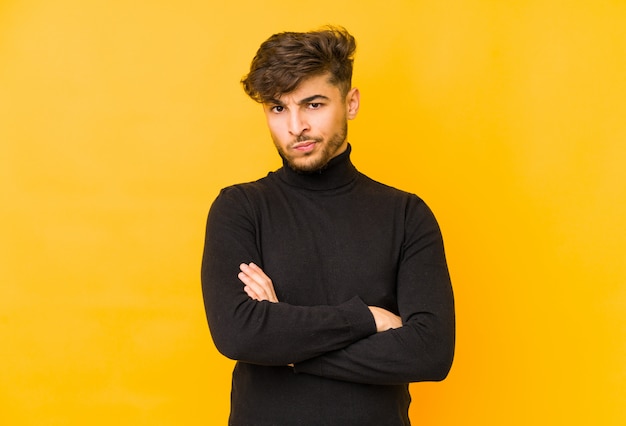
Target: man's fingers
(252, 287)
(253, 272)
(385, 320)
(266, 282)
(251, 293)
(260, 285)
(256, 273)
(259, 272)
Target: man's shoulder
(262, 184)
(377, 187)
(246, 191)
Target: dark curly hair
(286, 59)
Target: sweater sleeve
(262, 332)
(422, 349)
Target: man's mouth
(305, 146)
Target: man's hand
(257, 285)
(385, 320)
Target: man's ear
(353, 100)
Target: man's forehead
(318, 86)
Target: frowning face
(309, 125)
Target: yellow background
(120, 121)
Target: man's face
(309, 125)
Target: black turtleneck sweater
(333, 243)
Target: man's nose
(297, 123)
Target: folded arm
(423, 348)
(259, 287)
(262, 332)
(349, 341)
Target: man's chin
(306, 165)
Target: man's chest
(325, 253)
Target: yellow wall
(120, 121)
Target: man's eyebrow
(273, 101)
(313, 98)
(306, 100)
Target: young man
(331, 290)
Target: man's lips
(304, 146)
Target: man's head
(303, 81)
(286, 59)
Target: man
(331, 290)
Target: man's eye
(277, 108)
(315, 105)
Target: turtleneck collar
(338, 172)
